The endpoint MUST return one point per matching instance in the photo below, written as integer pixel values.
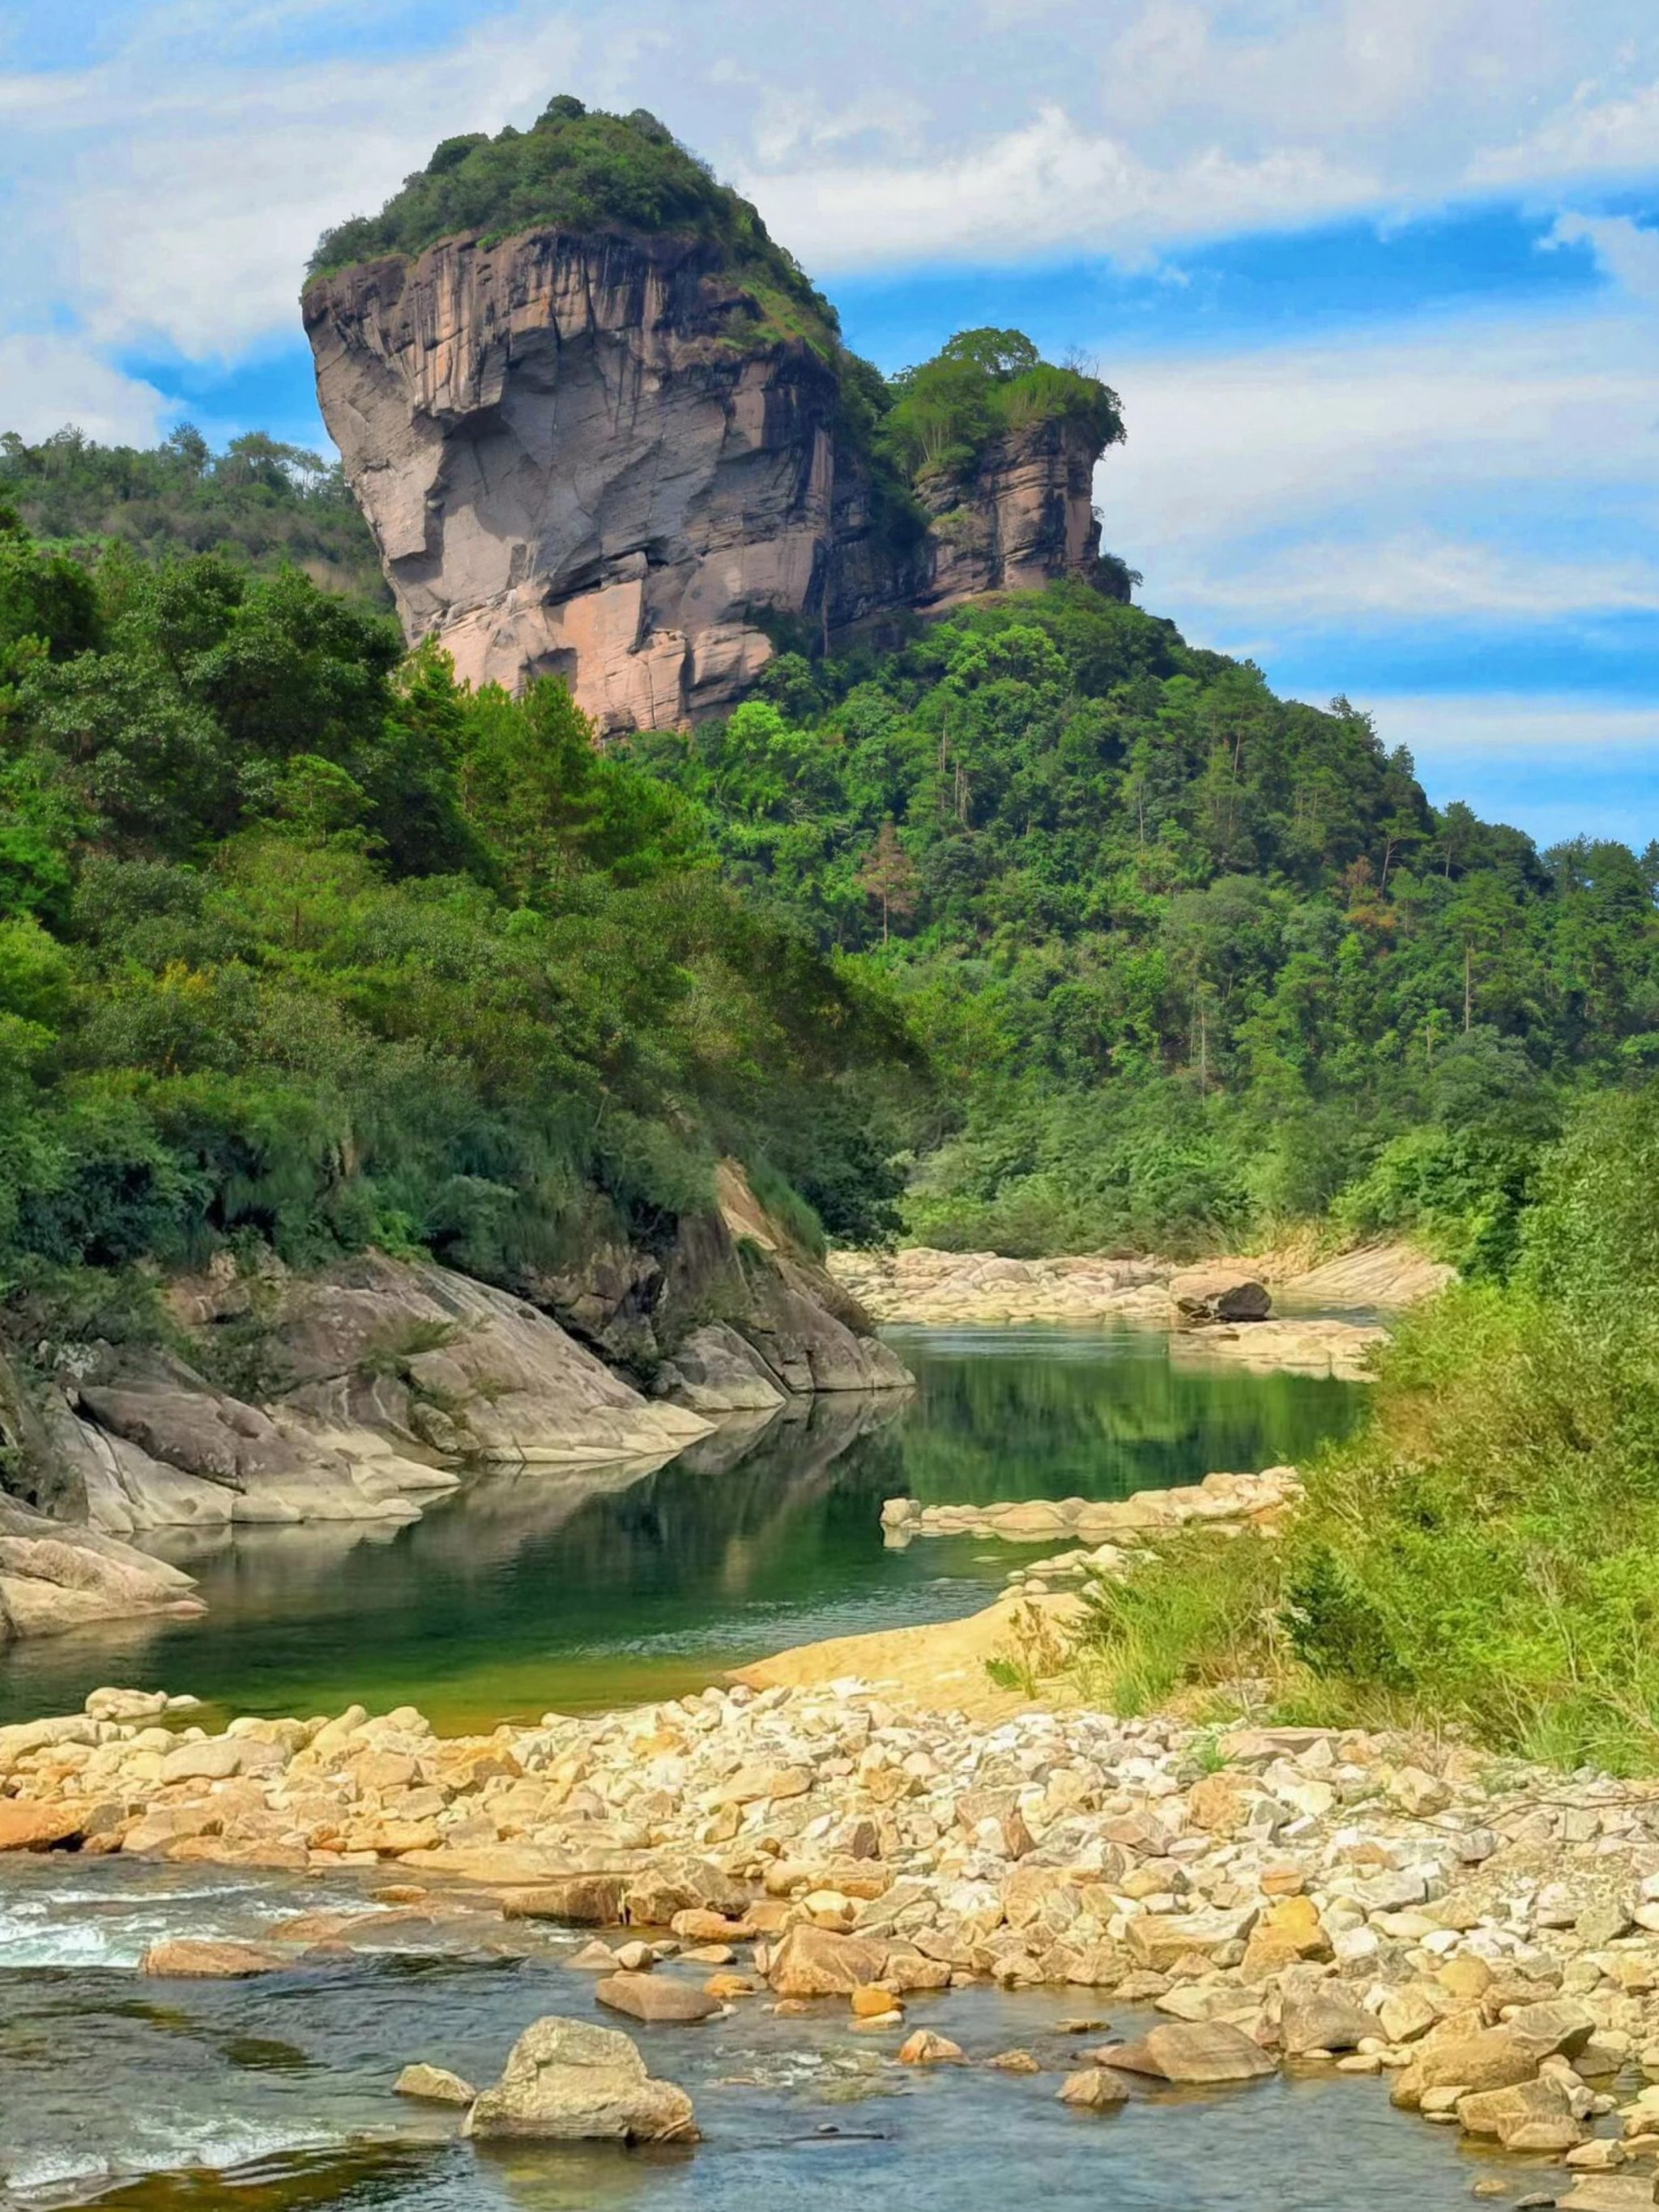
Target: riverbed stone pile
(1483, 1934)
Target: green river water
(539, 1588)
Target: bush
(1482, 1551)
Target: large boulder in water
(1202, 1294)
(566, 2082)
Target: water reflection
(544, 1587)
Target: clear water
(274, 2095)
(533, 1590)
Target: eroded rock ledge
(377, 1383)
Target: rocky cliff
(595, 457)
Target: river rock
(1096, 2089)
(1528, 2116)
(1199, 2052)
(655, 1998)
(585, 1900)
(433, 2085)
(31, 1827)
(1317, 2014)
(1202, 1294)
(1481, 2058)
(817, 1962)
(567, 2080)
(924, 2048)
(187, 1960)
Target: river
(538, 1588)
(534, 1591)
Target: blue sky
(1377, 280)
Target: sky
(1377, 280)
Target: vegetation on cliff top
(589, 172)
(593, 174)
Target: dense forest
(1189, 962)
(1044, 931)
(259, 502)
(299, 942)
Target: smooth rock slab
(569, 2081)
(655, 1999)
(187, 1961)
(1199, 2052)
(27, 1826)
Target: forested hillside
(300, 943)
(260, 503)
(1075, 930)
(1189, 961)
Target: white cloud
(1594, 135)
(47, 382)
(1510, 724)
(1624, 250)
(185, 200)
(1045, 186)
(1488, 470)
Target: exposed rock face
(1028, 518)
(786, 1327)
(54, 1577)
(581, 457)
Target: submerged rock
(567, 2080)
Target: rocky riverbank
(355, 1393)
(1483, 1935)
(925, 1287)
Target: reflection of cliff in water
(521, 1567)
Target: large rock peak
(593, 457)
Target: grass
(1480, 1557)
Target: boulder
(186, 1960)
(569, 2081)
(433, 2085)
(817, 1962)
(655, 1999)
(585, 1900)
(1478, 2058)
(54, 1577)
(25, 1826)
(1209, 1294)
(1199, 2052)
(1528, 2116)
(1096, 2089)
(716, 1371)
(924, 2048)
(683, 1885)
(1318, 2014)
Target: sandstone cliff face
(1027, 517)
(572, 469)
(581, 457)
